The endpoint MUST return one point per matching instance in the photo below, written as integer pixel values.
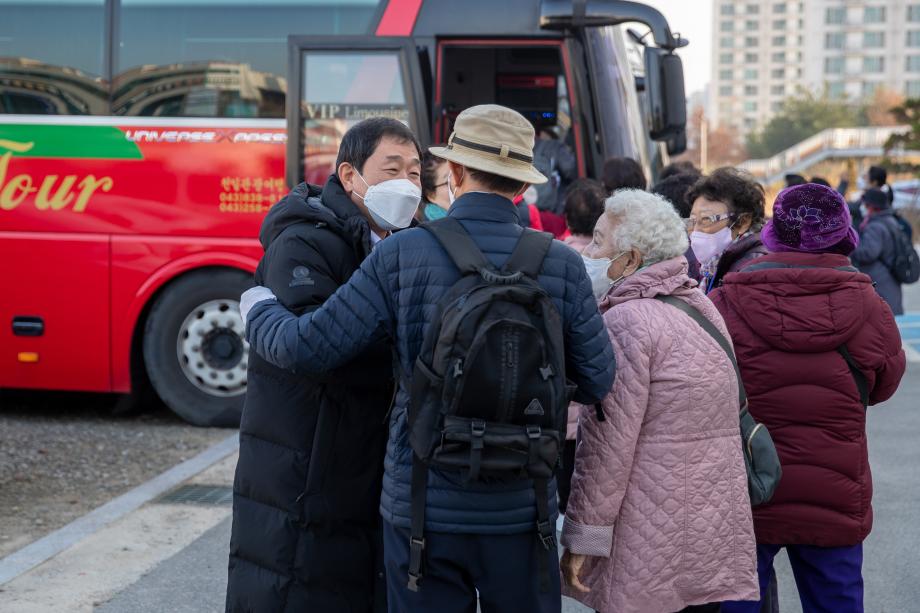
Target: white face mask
(597, 271)
(708, 246)
(392, 204)
(450, 190)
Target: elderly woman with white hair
(659, 518)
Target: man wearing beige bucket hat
(478, 536)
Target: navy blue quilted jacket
(394, 294)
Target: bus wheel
(195, 349)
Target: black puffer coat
(306, 527)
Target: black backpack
(489, 395)
(905, 264)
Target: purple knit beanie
(810, 218)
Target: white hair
(647, 223)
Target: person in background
(584, 204)
(659, 518)
(675, 188)
(820, 181)
(809, 331)
(435, 195)
(623, 173)
(794, 179)
(528, 214)
(725, 223)
(305, 533)
(876, 249)
(556, 161)
(877, 178)
(685, 167)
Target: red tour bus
(142, 142)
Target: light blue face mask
(433, 212)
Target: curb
(30, 556)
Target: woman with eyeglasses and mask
(659, 517)
(435, 195)
(725, 223)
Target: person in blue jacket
(480, 536)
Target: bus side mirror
(664, 85)
(677, 144)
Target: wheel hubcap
(212, 349)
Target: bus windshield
(615, 88)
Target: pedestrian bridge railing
(831, 143)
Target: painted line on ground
(48, 546)
(912, 353)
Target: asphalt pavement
(194, 579)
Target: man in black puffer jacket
(306, 530)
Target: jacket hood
(308, 203)
(666, 278)
(804, 304)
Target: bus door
(530, 75)
(618, 127)
(335, 82)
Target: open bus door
(335, 82)
(664, 116)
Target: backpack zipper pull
(458, 368)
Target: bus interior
(529, 78)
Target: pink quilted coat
(659, 495)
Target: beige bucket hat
(493, 139)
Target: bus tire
(194, 347)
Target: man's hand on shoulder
(251, 297)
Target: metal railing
(831, 143)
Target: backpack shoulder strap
(712, 331)
(861, 383)
(529, 253)
(458, 244)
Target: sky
(693, 20)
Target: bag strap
(862, 384)
(458, 244)
(529, 253)
(710, 329)
(546, 532)
(778, 265)
(419, 492)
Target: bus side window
(41, 71)
(193, 59)
(340, 88)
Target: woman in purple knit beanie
(810, 218)
(815, 345)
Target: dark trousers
(564, 474)
(714, 607)
(829, 579)
(504, 568)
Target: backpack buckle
(546, 534)
(534, 432)
(478, 428)
(416, 551)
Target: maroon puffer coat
(786, 324)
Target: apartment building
(758, 58)
(863, 45)
(765, 50)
